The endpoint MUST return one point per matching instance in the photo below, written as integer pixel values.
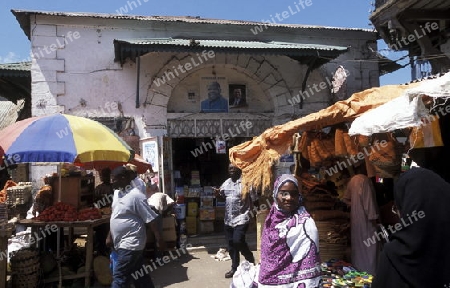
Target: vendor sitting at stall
(43, 200)
(103, 198)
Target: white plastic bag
(245, 276)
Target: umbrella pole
(59, 182)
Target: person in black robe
(419, 251)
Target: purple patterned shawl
(289, 245)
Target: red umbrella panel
(141, 165)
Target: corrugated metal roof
(232, 44)
(20, 69)
(24, 20)
(132, 48)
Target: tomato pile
(89, 214)
(66, 212)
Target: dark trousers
(100, 235)
(235, 237)
(129, 268)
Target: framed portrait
(221, 147)
(237, 96)
(213, 94)
(150, 152)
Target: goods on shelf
(207, 191)
(191, 225)
(195, 191)
(195, 178)
(180, 211)
(207, 202)
(207, 214)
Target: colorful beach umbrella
(62, 138)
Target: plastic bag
(245, 276)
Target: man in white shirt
(136, 181)
(237, 217)
(131, 216)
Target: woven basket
(312, 206)
(324, 227)
(25, 281)
(25, 268)
(329, 215)
(331, 251)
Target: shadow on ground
(173, 269)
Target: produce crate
(17, 195)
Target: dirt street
(194, 270)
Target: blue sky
(15, 46)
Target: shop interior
(199, 154)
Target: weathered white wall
(82, 67)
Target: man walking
(130, 216)
(237, 217)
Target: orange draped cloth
(256, 157)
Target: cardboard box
(207, 214)
(220, 203)
(191, 225)
(207, 202)
(206, 226)
(169, 232)
(192, 209)
(220, 213)
(208, 191)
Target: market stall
(88, 225)
(421, 116)
(256, 157)
(325, 154)
(61, 139)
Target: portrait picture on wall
(212, 91)
(237, 96)
(150, 152)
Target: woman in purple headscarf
(290, 241)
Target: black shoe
(230, 273)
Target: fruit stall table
(88, 225)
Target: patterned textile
(237, 210)
(289, 247)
